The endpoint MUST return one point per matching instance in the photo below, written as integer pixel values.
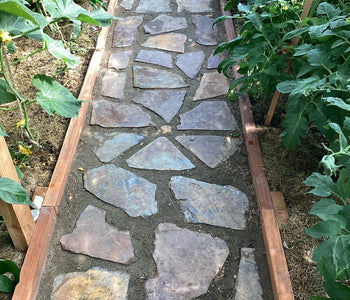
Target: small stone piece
(93, 236)
(164, 23)
(187, 262)
(169, 41)
(190, 63)
(165, 103)
(151, 78)
(205, 33)
(154, 6)
(119, 60)
(160, 155)
(112, 114)
(123, 189)
(209, 115)
(91, 285)
(248, 282)
(192, 6)
(212, 85)
(127, 4)
(212, 204)
(113, 84)
(214, 61)
(155, 57)
(125, 32)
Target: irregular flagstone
(127, 4)
(187, 262)
(168, 41)
(155, 57)
(205, 33)
(123, 189)
(113, 84)
(212, 204)
(213, 61)
(94, 284)
(160, 155)
(212, 150)
(248, 282)
(209, 115)
(164, 23)
(190, 63)
(194, 6)
(165, 103)
(212, 85)
(112, 114)
(151, 78)
(120, 142)
(124, 34)
(93, 236)
(154, 6)
(119, 60)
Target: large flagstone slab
(214, 61)
(151, 78)
(212, 85)
(113, 84)
(124, 34)
(121, 188)
(210, 149)
(190, 63)
(205, 33)
(119, 60)
(165, 103)
(127, 4)
(91, 285)
(160, 155)
(154, 6)
(155, 57)
(113, 114)
(211, 204)
(93, 236)
(187, 262)
(168, 41)
(209, 115)
(164, 23)
(194, 6)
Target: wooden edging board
(280, 280)
(34, 262)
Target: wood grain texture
(280, 208)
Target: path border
(278, 269)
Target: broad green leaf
(228, 45)
(255, 19)
(222, 18)
(12, 192)
(342, 186)
(336, 290)
(325, 8)
(329, 163)
(337, 43)
(243, 8)
(341, 137)
(301, 86)
(97, 17)
(338, 102)
(303, 49)
(325, 208)
(320, 57)
(294, 33)
(322, 184)
(5, 95)
(306, 68)
(2, 131)
(8, 266)
(317, 31)
(324, 229)
(6, 284)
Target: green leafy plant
(6, 284)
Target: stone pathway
(159, 203)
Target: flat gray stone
(155, 57)
(205, 33)
(165, 103)
(211, 204)
(248, 282)
(187, 262)
(113, 114)
(168, 41)
(164, 23)
(120, 142)
(214, 61)
(160, 155)
(212, 85)
(119, 60)
(151, 78)
(212, 150)
(190, 63)
(113, 84)
(121, 188)
(154, 6)
(209, 115)
(127, 4)
(91, 285)
(194, 6)
(124, 34)
(93, 236)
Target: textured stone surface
(93, 236)
(154, 6)
(212, 85)
(164, 23)
(165, 103)
(205, 33)
(187, 261)
(125, 32)
(113, 114)
(248, 282)
(127, 4)
(160, 154)
(91, 285)
(168, 41)
(119, 60)
(212, 150)
(190, 63)
(214, 61)
(155, 57)
(123, 189)
(209, 115)
(194, 6)
(212, 204)
(151, 78)
(113, 84)
(120, 142)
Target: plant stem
(25, 57)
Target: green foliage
(12, 192)
(6, 284)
